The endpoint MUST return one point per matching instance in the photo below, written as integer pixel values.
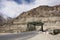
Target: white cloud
(12, 9)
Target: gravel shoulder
(45, 36)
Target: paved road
(20, 36)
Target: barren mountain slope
(42, 11)
(49, 15)
(4, 19)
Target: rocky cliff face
(50, 16)
(43, 11)
(40, 13)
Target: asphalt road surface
(19, 36)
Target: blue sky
(18, 1)
(13, 8)
(26, 1)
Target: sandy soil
(45, 36)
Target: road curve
(19, 36)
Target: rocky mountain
(42, 11)
(49, 15)
(4, 19)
